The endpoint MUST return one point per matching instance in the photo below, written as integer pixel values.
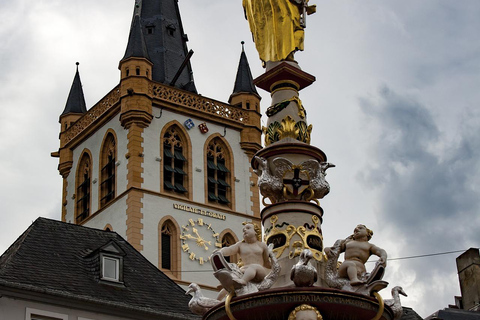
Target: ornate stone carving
(351, 274)
(287, 129)
(270, 186)
(93, 114)
(193, 101)
(199, 304)
(305, 181)
(281, 238)
(303, 274)
(395, 303)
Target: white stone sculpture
(352, 275)
(260, 267)
(303, 274)
(395, 303)
(271, 186)
(199, 304)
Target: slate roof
(410, 314)
(136, 46)
(455, 314)
(76, 99)
(61, 260)
(165, 41)
(244, 79)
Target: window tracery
(84, 174)
(107, 174)
(174, 162)
(218, 174)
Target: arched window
(83, 187)
(218, 174)
(107, 174)
(168, 247)
(174, 161)
(228, 240)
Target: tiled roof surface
(62, 260)
(409, 314)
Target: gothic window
(107, 174)
(169, 247)
(83, 184)
(218, 174)
(174, 162)
(166, 247)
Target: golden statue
(277, 26)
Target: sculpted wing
(281, 165)
(312, 167)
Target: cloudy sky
(395, 107)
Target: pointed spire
(136, 46)
(244, 80)
(165, 43)
(76, 100)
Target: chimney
(468, 266)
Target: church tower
(156, 162)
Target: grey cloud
(427, 190)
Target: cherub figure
(254, 255)
(357, 250)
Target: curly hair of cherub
(257, 229)
(304, 307)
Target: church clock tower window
(83, 188)
(108, 156)
(174, 162)
(218, 174)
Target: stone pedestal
(276, 304)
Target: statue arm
(266, 258)
(231, 250)
(380, 253)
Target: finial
(77, 63)
(243, 47)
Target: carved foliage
(287, 129)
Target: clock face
(199, 240)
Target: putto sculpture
(277, 26)
(257, 270)
(352, 274)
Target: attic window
(171, 29)
(150, 29)
(111, 268)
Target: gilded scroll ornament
(310, 236)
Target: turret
(136, 74)
(75, 106)
(245, 96)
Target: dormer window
(110, 268)
(111, 264)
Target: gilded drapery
(275, 26)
